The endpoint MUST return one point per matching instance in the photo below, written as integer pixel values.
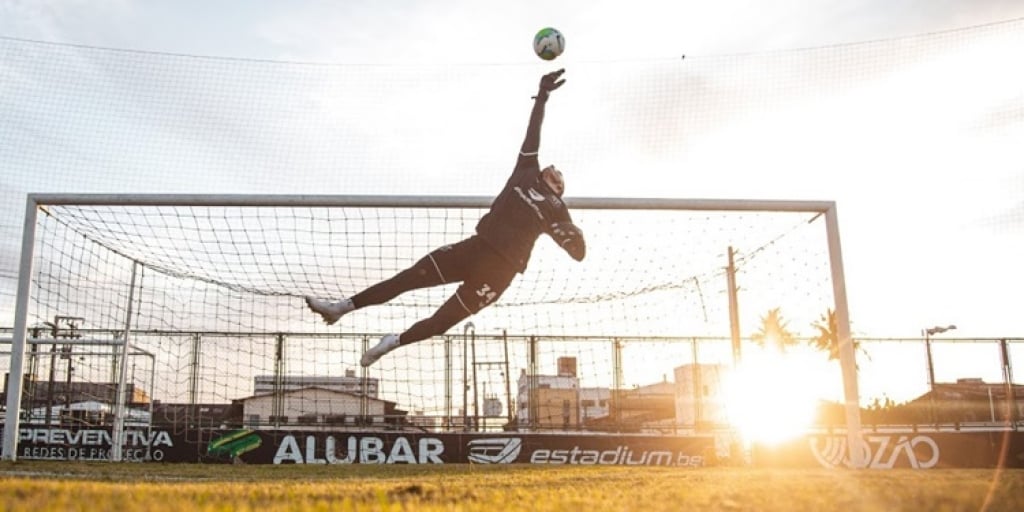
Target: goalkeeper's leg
(424, 273)
(476, 293)
(447, 316)
(451, 313)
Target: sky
(932, 237)
(465, 31)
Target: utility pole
(734, 309)
(1011, 395)
(928, 333)
(61, 327)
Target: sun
(771, 397)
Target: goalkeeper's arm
(548, 83)
(570, 238)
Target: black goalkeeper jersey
(527, 206)
(524, 209)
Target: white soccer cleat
(329, 311)
(388, 343)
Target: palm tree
(827, 339)
(773, 332)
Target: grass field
(51, 486)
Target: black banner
(886, 450)
(317, 447)
(920, 450)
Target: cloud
(66, 21)
(1009, 221)
(441, 95)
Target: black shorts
(484, 274)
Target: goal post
(16, 370)
(220, 277)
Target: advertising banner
(368, 447)
(916, 450)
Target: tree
(773, 332)
(827, 339)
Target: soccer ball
(548, 43)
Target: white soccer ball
(548, 43)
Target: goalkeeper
(485, 264)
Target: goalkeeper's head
(554, 180)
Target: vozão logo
(498, 450)
(879, 452)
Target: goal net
(197, 301)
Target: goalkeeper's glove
(569, 238)
(550, 82)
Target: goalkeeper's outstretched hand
(570, 238)
(550, 81)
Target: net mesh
(216, 295)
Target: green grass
(46, 486)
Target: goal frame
(36, 201)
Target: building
(63, 394)
(699, 395)
(194, 415)
(349, 383)
(968, 400)
(557, 402)
(595, 403)
(548, 402)
(316, 406)
(84, 414)
(649, 408)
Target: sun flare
(770, 398)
